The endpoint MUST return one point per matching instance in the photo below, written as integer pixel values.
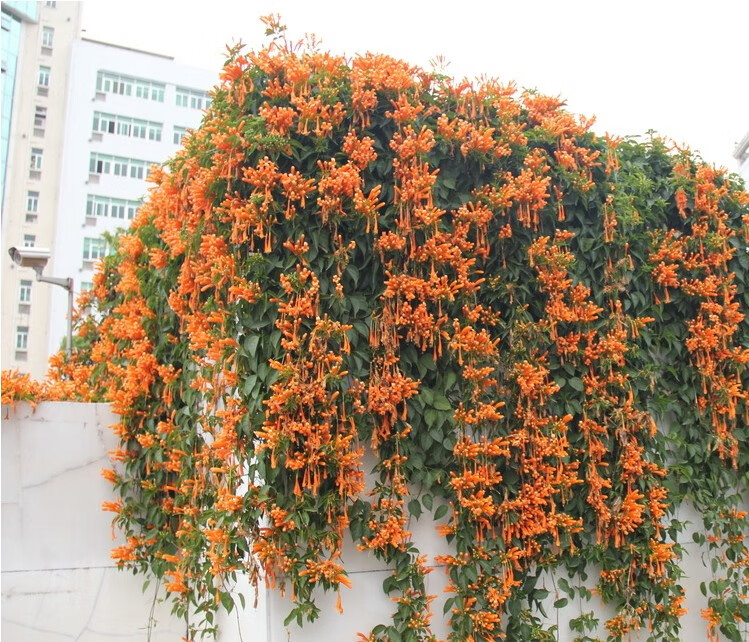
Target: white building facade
(126, 110)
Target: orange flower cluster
(18, 386)
(307, 429)
(697, 265)
(618, 480)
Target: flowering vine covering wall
(540, 333)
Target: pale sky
(680, 67)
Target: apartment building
(89, 120)
(126, 110)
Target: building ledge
(142, 51)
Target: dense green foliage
(470, 283)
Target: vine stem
(153, 609)
(556, 593)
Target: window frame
(123, 85)
(43, 76)
(178, 131)
(40, 116)
(37, 158)
(94, 248)
(48, 36)
(22, 338)
(24, 291)
(104, 207)
(32, 202)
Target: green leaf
(441, 403)
(250, 344)
(292, 616)
(440, 512)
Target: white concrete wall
(59, 583)
(58, 580)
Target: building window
(109, 82)
(86, 286)
(97, 206)
(40, 117)
(22, 337)
(32, 202)
(141, 90)
(119, 166)
(193, 98)
(139, 169)
(29, 240)
(154, 132)
(103, 206)
(36, 159)
(43, 77)
(118, 210)
(48, 36)
(148, 90)
(24, 292)
(99, 164)
(32, 206)
(124, 126)
(122, 87)
(94, 249)
(140, 129)
(105, 123)
(51, 4)
(178, 134)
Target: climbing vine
(539, 333)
